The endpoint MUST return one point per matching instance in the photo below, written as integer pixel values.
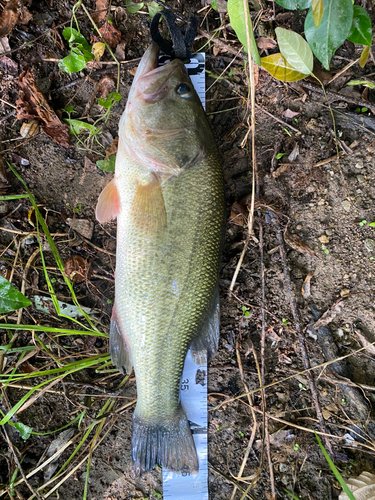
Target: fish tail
(169, 444)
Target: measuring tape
(193, 386)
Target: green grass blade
(337, 474)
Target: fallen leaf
(28, 129)
(288, 113)
(293, 155)
(32, 104)
(101, 8)
(306, 286)
(105, 86)
(112, 148)
(329, 315)
(98, 49)
(296, 243)
(365, 342)
(110, 34)
(323, 239)
(362, 487)
(14, 12)
(265, 43)
(77, 268)
(345, 292)
(238, 214)
(272, 335)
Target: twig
(345, 68)
(263, 367)
(335, 96)
(305, 356)
(10, 444)
(285, 124)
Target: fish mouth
(151, 80)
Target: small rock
(369, 244)
(345, 292)
(361, 178)
(359, 164)
(346, 205)
(323, 239)
(3, 207)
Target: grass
(54, 370)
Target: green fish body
(168, 197)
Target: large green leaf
(295, 50)
(294, 4)
(74, 36)
(73, 63)
(361, 28)
(77, 127)
(10, 298)
(237, 20)
(280, 69)
(133, 7)
(332, 31)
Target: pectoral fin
(148, 208)
(205, 344)
(118, 347)
(108, 206)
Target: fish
(168, 197)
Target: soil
(327, 206)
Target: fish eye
(183, 90)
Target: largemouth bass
(167, 195)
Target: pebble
(361, 178)
(346, 205)
(345, 292)
(369, 244)
(323, 239)
(359, 164)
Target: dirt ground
(326, 208)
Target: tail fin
(168, 444)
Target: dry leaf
(306, 286)
(296, 243)
(362, 487)
(105, 86)
(14, 12)
(110, 34)
(288, 113)
(329, 315)
(365, 342)
(293, 155)
(272, 335)
(98, 49)
(238, 214)
(101, 8)
(345, 292)
(265, 43)
(323, 239)
(32, 104)
(112, 148)
(77, 268)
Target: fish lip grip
(181, 45)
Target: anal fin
(205, 344)
(108, 206)
(118, 347)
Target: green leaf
(154, 8)
(237, 20)
(361, 27)
(295, 50)
(366, 83)
(333, 29)
(337, 474)
(77, 127)
(69, 109)
(278, 66)
(73, 63)
(108, 165)
(10, 298)
(110, 100)
(23, 429)
(294, 4)
(133, 7)
(372, 224)
(74, 37)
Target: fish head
(164, 125)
